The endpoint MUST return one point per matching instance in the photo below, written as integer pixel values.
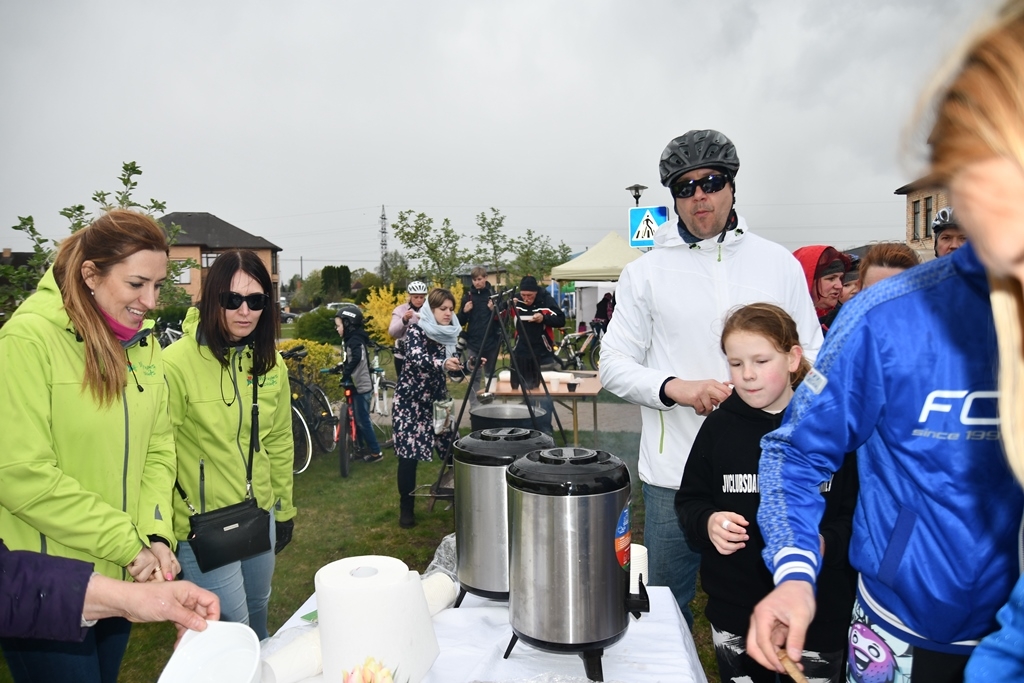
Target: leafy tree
(492, 241)
(310, 293)
(534, 255)
(437, 249)
(369, 281)
(17, 283)
(330, 278)
(394, 269)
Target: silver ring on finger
(725, 524)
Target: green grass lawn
(359, 516)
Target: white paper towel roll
(373, 606)
(637, 566)
(440, 592)
(298, 660)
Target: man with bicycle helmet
(661, 350)
(946, 233)
(349, 323)
(403, 316)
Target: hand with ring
(727, 531)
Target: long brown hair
(211, 319)
(772, 323)
(980, 117)
(109, 240)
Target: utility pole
(383, 238)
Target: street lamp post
(636, 191)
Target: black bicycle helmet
(943, 219)
(698, 149)
(350, 315)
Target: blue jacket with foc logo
(907, 377)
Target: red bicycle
(345, 427)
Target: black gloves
(284, 534)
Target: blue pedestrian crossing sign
(644, 221)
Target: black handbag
(232, 533)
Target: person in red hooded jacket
(824, 268)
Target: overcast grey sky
(297, 120)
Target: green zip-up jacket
(211, 411)
(78, 479)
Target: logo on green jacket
(147, 369)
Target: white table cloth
(657, 647)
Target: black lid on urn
(568, 472)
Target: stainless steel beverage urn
(569, 538)
(481, 506)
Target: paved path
(611, 417)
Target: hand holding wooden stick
(791, 668)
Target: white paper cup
(554, 384)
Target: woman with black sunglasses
(228, 347)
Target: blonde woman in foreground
(978, 152)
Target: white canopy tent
(596, 271)
(603, 261)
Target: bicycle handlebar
(296, 353)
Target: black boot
(406, 517)
(406, 484)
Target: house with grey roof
(204, 237)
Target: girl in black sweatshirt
(718, 499)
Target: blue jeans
(364, 428)
(243, 587)
(94, 660)
(670, 559)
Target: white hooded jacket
(670, 307)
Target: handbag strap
(254, 436)
(181, 492)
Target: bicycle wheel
(564, 355)
(303, 445)
(380, 414)
(295, 384)
(595, 354)
(346, 438)
(322, 418)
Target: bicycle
(303, 442)
(312, 402)
(345, 427)
(573, 347)
(380, 398)
(166, 333)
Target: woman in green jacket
(87, 466)
(229, 343)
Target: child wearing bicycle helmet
(349, 323)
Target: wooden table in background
(588, 388)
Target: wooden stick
(790, 668)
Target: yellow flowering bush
(318, 356)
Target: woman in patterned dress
(429, 352)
